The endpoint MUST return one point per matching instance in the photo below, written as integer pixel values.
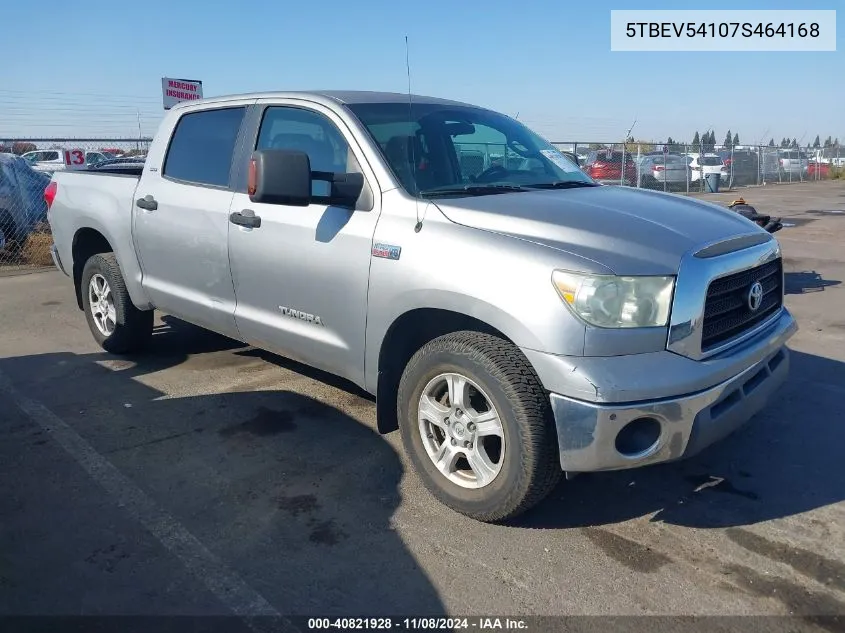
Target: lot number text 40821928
(481, 624)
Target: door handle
(246, 218)
(147, 203)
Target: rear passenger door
(181, 224)
(301, 277)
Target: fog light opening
(638, 437)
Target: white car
(707, 164)
(793, 163)
(53, 159)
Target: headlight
(616, 302)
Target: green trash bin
(712, 181)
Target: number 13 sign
(74, 159)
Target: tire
(497, 371)
(8, 232)
(128, 329)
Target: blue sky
(98, 64)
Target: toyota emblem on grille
(755, 296)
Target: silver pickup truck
(514, 319)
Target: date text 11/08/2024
(482, 624)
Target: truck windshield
(444, 149)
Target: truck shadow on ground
(176, 342)
(796, 283)
(294, 494)
(785, 461)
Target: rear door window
(202, 146)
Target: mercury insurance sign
(175, 90)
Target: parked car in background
(817, 170)
(606, 167)
(657, 170)
(741, 165)
(700, 166)
(50, 160)
(22, 204)
(117, 164)
(793, 164)
(112, 152)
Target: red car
(818, 171)
(606, 167)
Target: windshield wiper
(562, 184)
(473, 190)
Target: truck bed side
(92, 209)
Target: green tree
(784, 142)
(836, 142)
(817, 143)
(794, 144)
(736, 139)
(828, 142)
(771, 142)
(696, 140)
(728, 140)
(711, 142)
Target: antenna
(418, 225)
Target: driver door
(301, 277)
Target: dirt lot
(208, 477)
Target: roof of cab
(337, 96)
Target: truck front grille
(727, 310)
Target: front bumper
(682, 420)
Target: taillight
(659, 168)
(50, 193)
(727, 162)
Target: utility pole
(138, 144)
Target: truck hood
(629, 231)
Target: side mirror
(280, 176)
(346, 188)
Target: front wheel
(477, 426)
(117, 325)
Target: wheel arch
(87, 241)
(406, 334)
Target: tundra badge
(302, 316)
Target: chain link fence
(690, 169)
(26, 166)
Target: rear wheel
(116, 324)
(477, 426)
